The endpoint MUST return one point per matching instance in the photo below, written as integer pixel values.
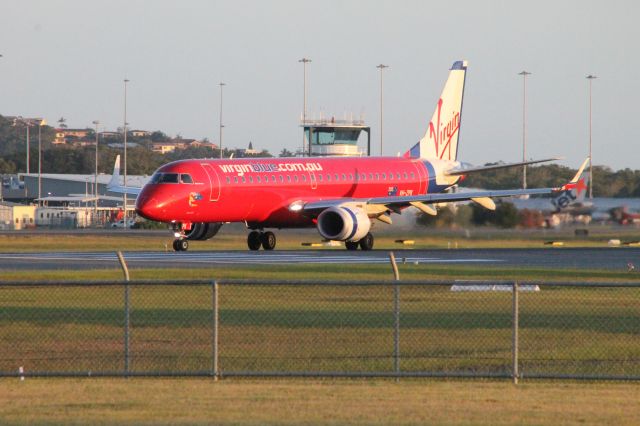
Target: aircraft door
(214, 182)
(422, 174)
(312, 179)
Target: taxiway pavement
(553, 258)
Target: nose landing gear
(180, 244)
(257, 239)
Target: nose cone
(147, 207)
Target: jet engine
(343, 223)
(202, 230)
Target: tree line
(607, 182)
(141, 160)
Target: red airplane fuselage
(261, 191)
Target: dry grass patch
(195, 401)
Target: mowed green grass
(314, 402)
(320, 328)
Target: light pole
(381, 67)
(42, 123)
(304, 61)
(125, 154)
(524, 75)
(27, 123)
(221, 84)
(590, 77)
(95, 182)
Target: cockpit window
(165, 178)
(185, 178)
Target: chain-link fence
(328, 328)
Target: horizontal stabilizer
(470, 170)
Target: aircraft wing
(397, 203)
(469, 170)
(129, 190)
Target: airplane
(340, 196)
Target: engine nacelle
(344, 223)
(202, 230)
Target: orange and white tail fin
(574, 191)
(440, 142)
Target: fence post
(396, 315)
(127, 313)
(514, 334)
(214, 330)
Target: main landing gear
(365, 243)
(256, 239)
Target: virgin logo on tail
(442, 135)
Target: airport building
(331, 137)
(62, 200)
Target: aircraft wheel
(180, 245)
(367, 242)
(268, 240)
(351, 245)
(254, 240)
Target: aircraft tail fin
(115, 177)
(576, 190)
(441, 139)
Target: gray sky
(68, 58)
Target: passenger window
(251, 179)
(258, 179)
(281, 178)
(304, 178)
(235, 179)
(363, 177)
(273, 178)
(328, 177)
(398, 176)
(370, 176)
(336, 177)
(295, 178)
(185, 178)
(377, 176)
(288, 178)
(228, 179)
(319, 178)
(350, 176)
(405, 175)
(413, 176)
(384, 176)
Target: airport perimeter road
(584, 258)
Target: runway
(583, 258)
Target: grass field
(311, 402)
(575, 331)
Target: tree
(61, 123)
(285, 153)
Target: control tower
(331, 137)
